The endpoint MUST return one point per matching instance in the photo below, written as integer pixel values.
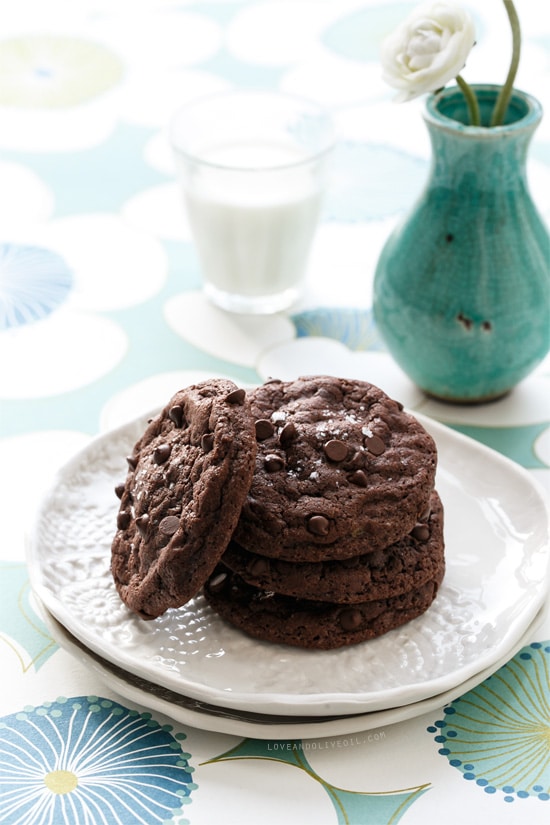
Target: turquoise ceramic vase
(462, 286)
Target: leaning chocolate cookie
(187, 479)
(308, 624)
(403, 566)
(341, 470)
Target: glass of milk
(253, 167)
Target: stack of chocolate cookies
(312, 522)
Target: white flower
(428, 49)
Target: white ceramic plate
(259, 726)
(496, 581)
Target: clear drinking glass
(253, 168)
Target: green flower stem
(506, 91)
(471, 100)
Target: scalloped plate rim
(260, 728)
(299, 703)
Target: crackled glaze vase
(462, 286)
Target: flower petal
(427, 50)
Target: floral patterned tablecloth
(102, 318)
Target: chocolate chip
(258, 567)
(264, 429)
(273, 463)
(217, 583)
(161, 454)
(236, 397)
(374, 444)
(335, 450)
(288, 434)
(350, 619)
(175, 415)
(421, 532)
(169, 525)
(318, 525)
(142, 522)
(123, 519)
(132, 462)
(119, 490)
(359, 477)
(207, 442)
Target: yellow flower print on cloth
(43, 71)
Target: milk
(252, 165)
(253, 209)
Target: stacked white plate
(190, 665)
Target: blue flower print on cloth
(498, 734)
(33, 282)
(353, 327)
(87, 759)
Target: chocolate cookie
(341, 470)
(313, 625)
(187, 479)
(403, 566)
